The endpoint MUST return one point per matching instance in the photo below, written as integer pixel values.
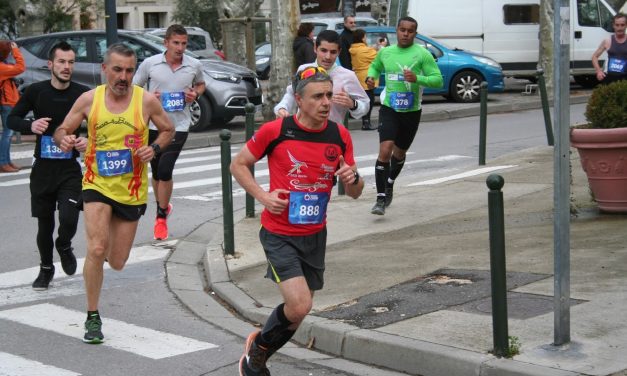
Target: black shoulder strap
(291, 131)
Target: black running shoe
(68, 260)
(379, 206)
(389, 194)
(42, 281)
(253, 361)
(93, 330)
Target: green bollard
(497, 265)
(249, 108)
(227, 192)
(483, 119)
(545, 107)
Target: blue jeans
(5, 141)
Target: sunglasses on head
(311, 71)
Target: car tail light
(220, 54)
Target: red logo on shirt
(331, 153)
(132, 141)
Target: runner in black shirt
(55, 180)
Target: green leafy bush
(607, 107)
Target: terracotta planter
(603, 154)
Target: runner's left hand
(345, 173)
(145, 153)
(80, 144)
(343, 99)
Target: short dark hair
(175, 29)
(63, 46)
(358, 35)
(619, 15)
(330, 36)
(120, 49)
(304, 29)
(407, 18)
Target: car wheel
(465, 87)
(586, 81)
(201, 114)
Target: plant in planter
(602, 145)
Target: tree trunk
(545, 60)
(285, 21)
(379, 11)
(234, 33)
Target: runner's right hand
(40, 125)
(274, 203)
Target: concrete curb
(200, 269)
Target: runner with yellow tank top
(112, 167)
(115, 182)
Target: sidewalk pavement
(410, 291)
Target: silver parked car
(199, 42)
(229, 86)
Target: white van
(508, 31)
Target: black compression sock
(381, 174)
(396, 165)
(272, 330)
(162, 212)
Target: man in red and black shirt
(306, 153)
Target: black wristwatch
(355, 104)
(156, 148)
(356, 181)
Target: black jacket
(303, 51)
(346, 39)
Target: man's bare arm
(595, 59)
(155, 112)
(240, 168)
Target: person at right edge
(407, 67)
(616, 46)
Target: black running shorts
(295, 256)
(130, 213)
(400, 127)
(162, 165)
(53, 183)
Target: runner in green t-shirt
(407, 67)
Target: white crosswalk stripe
(118, 334)
(13, 365)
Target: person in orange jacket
(361, 57)
(8, 98)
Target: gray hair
(299, 85)
(120, 49)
